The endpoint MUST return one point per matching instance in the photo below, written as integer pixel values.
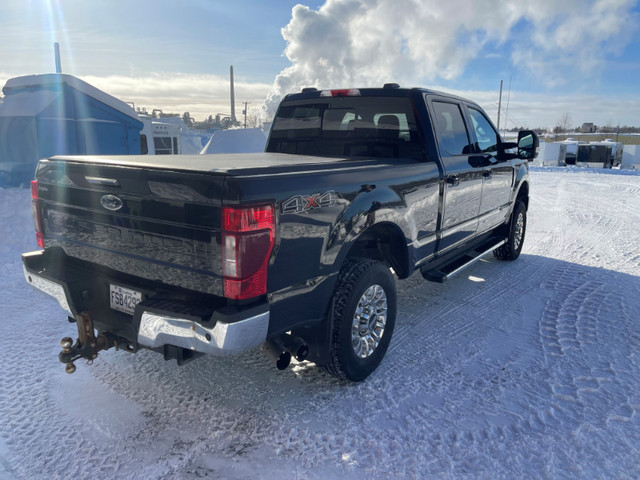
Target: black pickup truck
(296, 248)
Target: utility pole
(499, 106)
(244, 112)
(506, 113)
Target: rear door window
(453, 137)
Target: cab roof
(388, 90)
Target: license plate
(123, 299)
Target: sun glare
(56, 26)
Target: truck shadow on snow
(504, 354)
(523, 314)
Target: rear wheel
(517, 228)
(364, 316)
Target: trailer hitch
(87, 345)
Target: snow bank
(241, 140)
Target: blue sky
(577, 56)
(125, 37)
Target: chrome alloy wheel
(518, 231)
(369, 321)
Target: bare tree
(564, 123)
(252, 119)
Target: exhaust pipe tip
(278, 354)
(296, 346)
(302, 353)
(280, 350)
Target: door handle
(487, 174)
(453, 180)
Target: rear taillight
(35, 211)
(248, 236)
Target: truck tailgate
(156, 223)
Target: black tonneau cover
(230, 164)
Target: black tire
(517, 229)
(356, 352)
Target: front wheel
(517, 228)
(364, 315)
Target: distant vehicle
(295, 248)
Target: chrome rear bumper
(159, 328)
(49, 287)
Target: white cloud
(416, 42)
(348, 43)
(204, 95)
(200, 95)
(571, 39)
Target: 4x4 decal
(304, 203)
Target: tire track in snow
(468, 307)
(569, 406)
(468, 389)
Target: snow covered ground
(510, 370)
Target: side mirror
(528, 145)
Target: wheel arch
(522, 186)
(384, 242)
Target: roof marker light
(347, 92)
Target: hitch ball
(66, 343)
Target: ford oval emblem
(111, 202)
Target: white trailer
(616, 150)
(159, 138)
(631, 157)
